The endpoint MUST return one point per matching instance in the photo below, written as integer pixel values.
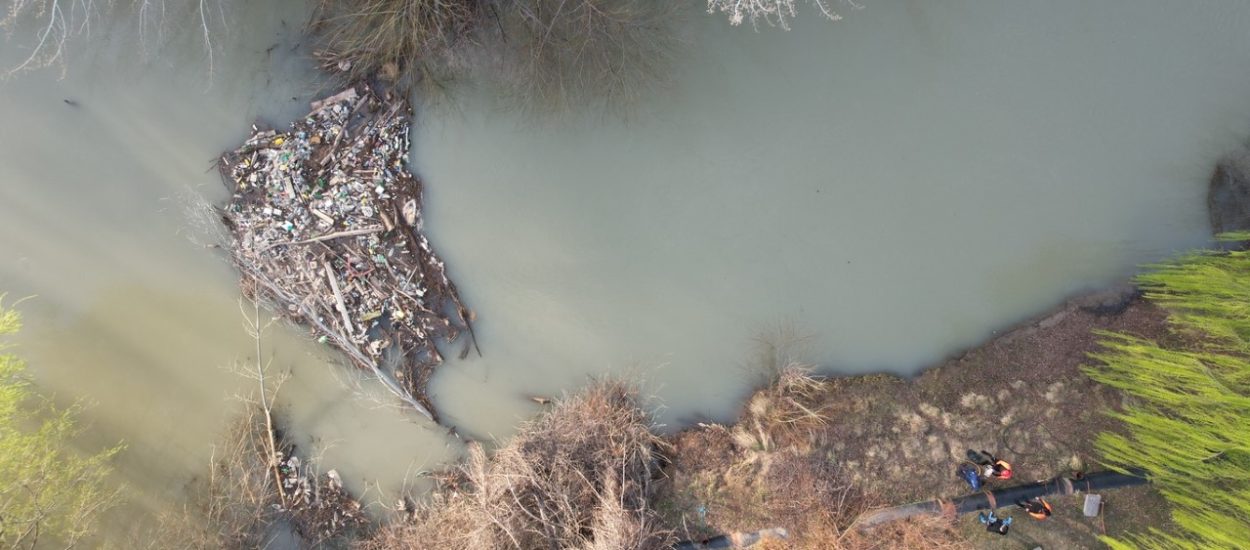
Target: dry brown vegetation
(544, 55)
(258, 490)
(581, 476)
(409, 40)
(770, 469)
(238, 505)
(578, 477)
(233, 506)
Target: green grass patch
(1188, 412)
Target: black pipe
(986, 500)
(989, 500)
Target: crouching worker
(993, 467)
(1036, 507)
(993, 523)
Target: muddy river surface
(893, 187)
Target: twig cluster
(57, 23)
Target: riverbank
(881, 440)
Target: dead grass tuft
(413, 41)
(577, 477)
(787, 412)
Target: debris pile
(325, 224)
(320, 506)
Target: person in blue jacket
(994, 524)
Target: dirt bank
(883, 440)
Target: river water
(893, 187)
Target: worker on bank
(1036, 507)
(970, 474)
(993, 523)
(993, 467)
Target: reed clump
(413, 41)
(785, 413)
(544, 55)
(579, 476)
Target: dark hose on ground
(986, 500)
(989, 500)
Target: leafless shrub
(59, 22)
(234, 505)
(775, 13)
(577, 477)
(561, 53)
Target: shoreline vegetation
(807, 456)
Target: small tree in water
(1189, 421)
(47, 492)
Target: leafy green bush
(47, 492)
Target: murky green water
(897, 186)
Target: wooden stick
(329, 236)
(345, 95)
(325, 217)
(264, 405)
(338, 299)
(342, 130)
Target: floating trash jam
(325, 225)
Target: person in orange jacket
(1036, 507)
(993, 467)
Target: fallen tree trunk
(989, 500)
